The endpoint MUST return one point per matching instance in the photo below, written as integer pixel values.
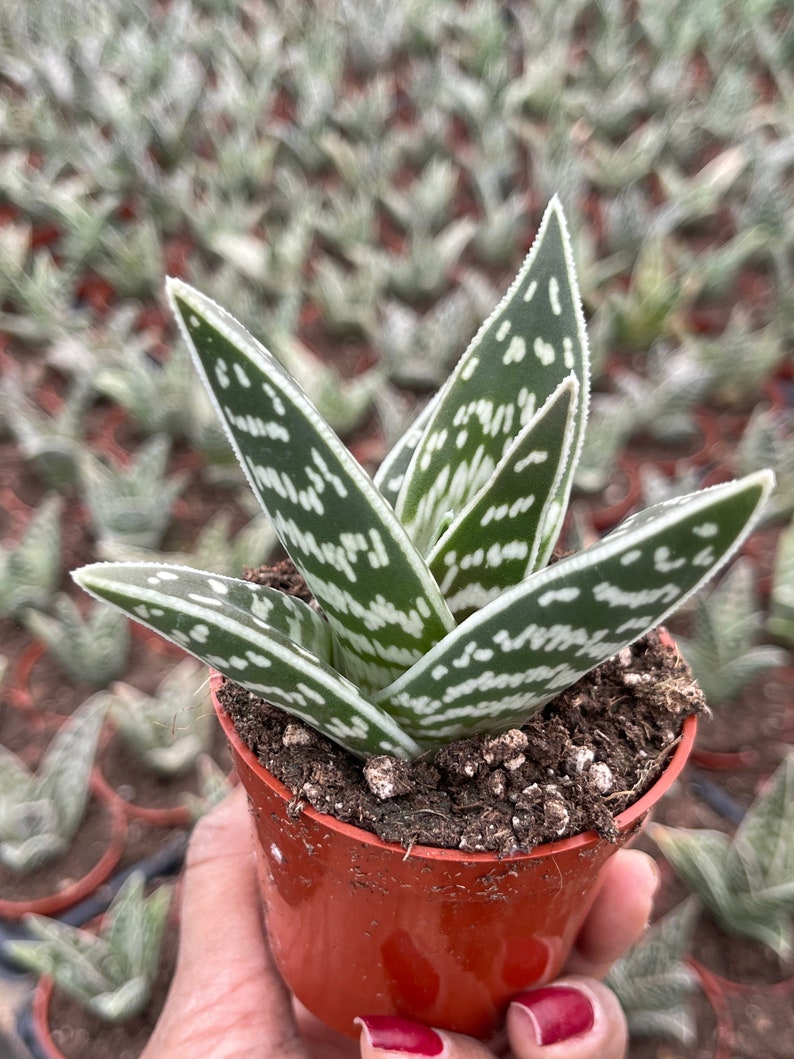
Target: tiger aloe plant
(439, 613)
(40, 812)
(746, 882)
(111, 973)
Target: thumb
(227, 998)
(572, 1018)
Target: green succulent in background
(723, 649)
(652, 981)
(29, 570)
(40, 813)
(131, 504)
(215, 545)
(419, 348)
(171, 728)
(111, 973)
(610, 424)
(736, 376)
(746, 882)
(343, 403)
(50, 442)
(93, 648)
(441, 613)
(36, 292)
(767, 441)
(661, 402)
(155, 393)
(423, 269)
(651, 306)
(346, 297)
(214, 785)
(426, 204)
(780, 622)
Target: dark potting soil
(589, 754)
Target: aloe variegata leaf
(531, 342)
(495, 540)
(390, 476)
(510, 658)
(373, 586)
(193, 609)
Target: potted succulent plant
(438, 612)
(149, 761)
(49, 858)
(104, 978)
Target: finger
(225, 974)
(573, 1018)
(387, 1037)
(619, 915)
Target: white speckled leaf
(495, 541)
(374, 587)
(243, 630)
(507, 660)
(534, 339)
(390, 476)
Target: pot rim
(40, 1015)
(585, 840)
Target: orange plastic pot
(362, 927)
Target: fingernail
(556, 1012)
(392, 1034)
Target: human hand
(227, 1000)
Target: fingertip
(383, 1035)
(640, 869)
(573, 1018)
(620, 912)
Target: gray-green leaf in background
(746, 882)
(111, 973)
(652, 981)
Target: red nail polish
(556, 1012)
(401, 1035)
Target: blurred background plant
(744, 881)
(92, 648)
(40, 812)
(170, 729)
(653, 981)
(111, 972)
(723, 649)
(30, 569)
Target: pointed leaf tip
(339, 531)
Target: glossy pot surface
(363, 927)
